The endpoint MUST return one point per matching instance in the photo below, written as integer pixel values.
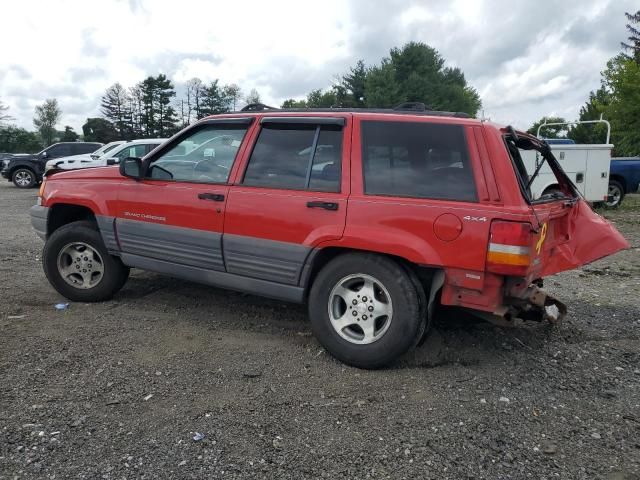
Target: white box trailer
(587, 165)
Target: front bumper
(39, 219)
(5, 174)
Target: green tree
(634, 37)
(45, 120)
(319, 99)
(553, 131)
(99, 130)
(622, 80)
(158, 117)
(233, 93)
(592, 110)
(116, 107)
(293, 103)
(350, 90)
(417, 73)
(213, 100)
(69, 135)
(19, 140)
(381, 87)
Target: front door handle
(216, 197)
(325, 205)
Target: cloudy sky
(526, 59)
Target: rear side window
(422, 160)
(296, 157)
(59, 150)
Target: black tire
(24, 178)
(616, 189)
(114, 274)
(407, 323)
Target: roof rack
(416, 108)
(256, 107)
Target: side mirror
(44, 155)
(113, 161)
(131, 167)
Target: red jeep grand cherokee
(368, 216)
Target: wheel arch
(620, 179)
(421, 275)
(61, 214)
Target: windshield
(103, 150)
(540, 176)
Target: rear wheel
(24, 178)
(78, 265)
(365, 310)
(616, 193)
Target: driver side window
(206, 155)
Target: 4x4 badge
(469, 218)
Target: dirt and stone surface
(119, 389)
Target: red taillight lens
(509, 251)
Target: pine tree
(213, 100)
(350, 90)
(634, 37)
(116, 107)
(158, 117)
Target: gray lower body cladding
(263, 267)
(255, 286)
(180, 246)
(107, 228)
(39, 218)
(279, 262)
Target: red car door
(289, 197)
(171, 221)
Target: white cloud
(526, 59)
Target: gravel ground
(119, 389)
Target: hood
(84, 173)
(20, 156)
(72, 159)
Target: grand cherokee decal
(145, 216)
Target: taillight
(509, 250)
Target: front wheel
(365, 310)
(23, 178)
(78, 265)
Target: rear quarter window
(417, 159)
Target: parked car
(587, 165)
(396, 212)
(624, 178)
(26, 170)
(119, 150)
(83, 158)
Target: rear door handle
(325, 205)
(216, 197)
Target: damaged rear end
(562, 233)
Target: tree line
(414, 73)
(152, 108)
(616, 100)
